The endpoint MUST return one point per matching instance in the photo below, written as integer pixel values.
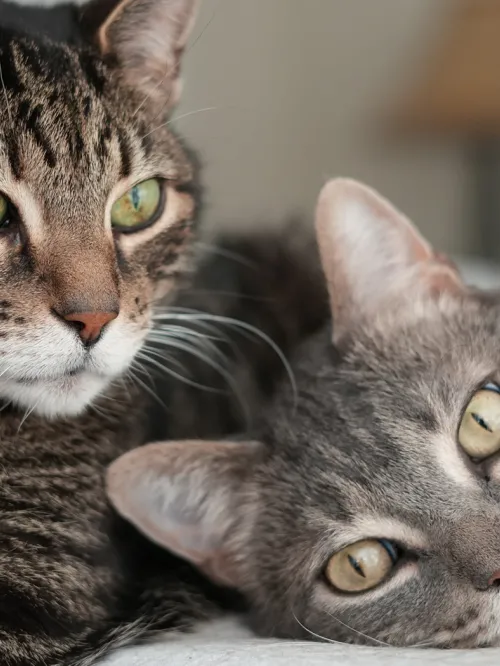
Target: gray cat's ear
(187, 497)
(145, 40)
(373, 257)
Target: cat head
(370, 510)
(95, 203)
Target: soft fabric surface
(229, 644)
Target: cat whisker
(359, 633)
(182, 331)
(100, 410)
(227, 254)
(147, 388)
(27, 414)
(183, 115)
(162, 80)
(194, 351)
(236, 323)
(203, 31)
(314, 635)
(185, 380)
(230, 294)
(183, 343)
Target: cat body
(367, 507)
(97, 210)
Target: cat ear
(373, 257)
(145, 39)
(186, 497)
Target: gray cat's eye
(479, 433)
(361, 566)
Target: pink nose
(90, 323)
(494, 579)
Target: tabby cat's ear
(187, 497)
(373, 257)
(145, 40)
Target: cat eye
(361, 566)
(4, 212)
(139, 207)
(9, 219)
(479, 432)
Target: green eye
(4, 209)
(139, 207)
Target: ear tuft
(372, 256)
(145, 39)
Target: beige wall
(298, 85)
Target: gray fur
(367, 447)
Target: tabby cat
(97, 205)
(368, 508)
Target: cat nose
(90, 324)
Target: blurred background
(280, 95)
(304, 90)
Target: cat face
(370, 511)
(94, 202)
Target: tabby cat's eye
(361, 566)
(479, 433)
(4, 210)
(139, 207)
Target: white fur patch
(36, 374)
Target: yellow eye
(361, 566)
(479, 433)
(139, 207)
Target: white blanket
(227, 644)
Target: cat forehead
(386, 417)
(64, 123)
(37, 67)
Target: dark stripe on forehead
(31, 117)
(92, 71)
(76, 144)
(126, 156)
(14, 159)
(31, 57)
(10, 75)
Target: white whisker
(176, 375)
(147, 388)
(236, 323)
(27, 413)
(183, 115)
(240, 259)
(359, 633)
(314, 635)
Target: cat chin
(56, 398)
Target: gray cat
(369, 509)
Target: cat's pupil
(356, 566)
(480, 421)
(136, 198)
